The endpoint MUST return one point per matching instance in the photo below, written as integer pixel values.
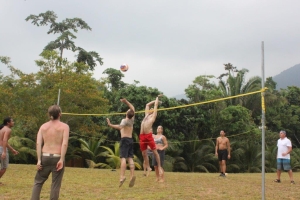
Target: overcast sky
(166, 43)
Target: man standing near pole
(283, 156)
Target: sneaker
(293, 182)
(277, 180)
(221, 174)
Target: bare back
(222, 143)
(52, 134)
(127, 127)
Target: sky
(166, 43)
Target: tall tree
(235, 84)
(66, 29)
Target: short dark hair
(54, 111)
(130, 113)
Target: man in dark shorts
(126, 143)
(223, 152)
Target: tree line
(191, 131)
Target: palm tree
(26, 148)
(90, 58)
(251, 160)
(199, 156)
(113, 160)
(85, 149)
(295, 159)
(270, 158)
(235, 85)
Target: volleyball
(124, 67)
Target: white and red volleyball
(124, 67)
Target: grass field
(79, 183)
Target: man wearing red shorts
(146, 138)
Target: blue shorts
(283, 164)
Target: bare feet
(161, 181)
(122, 181)
(148, 171)
(161, 171)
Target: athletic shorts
(283, 164)
(222, 154)
(4, 163)
(161, 154)
(147, 140)
(126, 147)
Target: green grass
(79, 183)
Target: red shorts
(147, 140)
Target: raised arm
(128, 104)
(155, 102)
(115, 126)
(148, 106)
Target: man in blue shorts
(283, 156)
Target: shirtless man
(126, 143)
(51, 146)
(5, 131)
(146, 138)
(222, 151)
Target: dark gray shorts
(126, 147)
(161, 154)
(222, 154)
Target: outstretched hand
(123, 100)
(15, 152)
(108, 121)
(160, 95)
